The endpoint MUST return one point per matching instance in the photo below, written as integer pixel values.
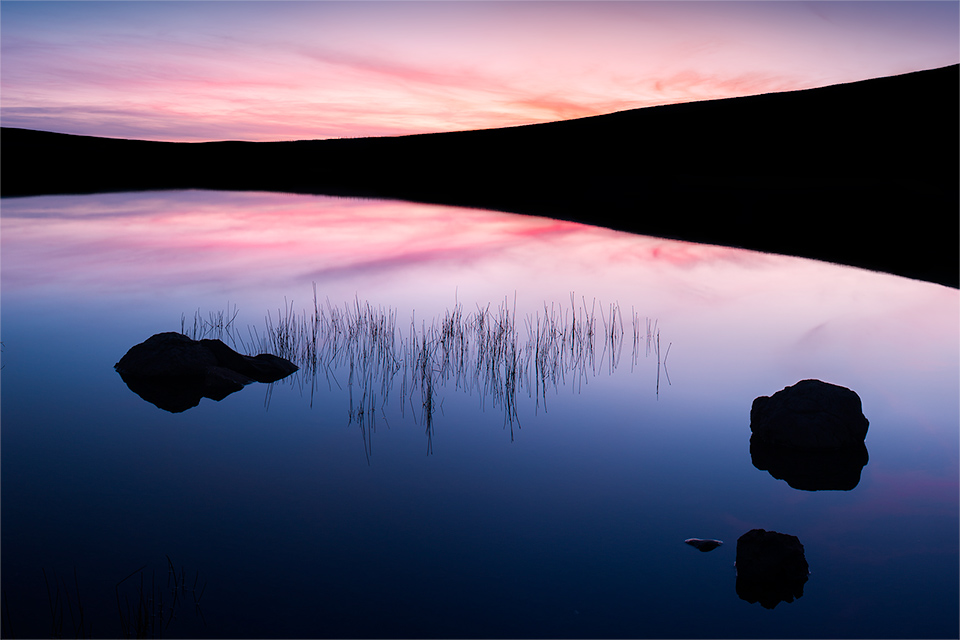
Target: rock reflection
(477, 352)
(811, 470)
(771, 568)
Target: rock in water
(810, 415)
(771, 567)
(703, 545)
(174, 371)
(166, 355)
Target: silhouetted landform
(771, 568)
(811, 470)
(810, 415)
(703, 545)
(483, 353)
(175, 372)
(863, 173)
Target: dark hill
(865, 173)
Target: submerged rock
(810, 415)
(771, 567)
(703, 545)
(174, 371)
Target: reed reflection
(482, 352)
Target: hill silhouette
(864, 173)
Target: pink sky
(280, 71)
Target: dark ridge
(865, 173)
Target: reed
(7, 626)
(481, 352)
(217, 324)
(150, 614)
(79, 626)
(667, 353)
(144, 611)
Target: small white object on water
(703, 545)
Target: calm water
(532, 488)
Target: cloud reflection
(257, 249)
(170, 239)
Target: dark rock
(811, 469)
(810, 415)
(771, 568)
(174, 372)
(167, 355)
(265, 367)
(703, 545)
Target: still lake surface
(511, 426)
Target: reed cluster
(60, 596)
(148, 615)
(482, 351)
(145, 611)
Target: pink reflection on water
(801, 318)
(114, 242)
(741, 323)
(923, 496)
(269, 246)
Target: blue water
(564, 519)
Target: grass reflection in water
(480, 351)
(142, 610)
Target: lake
(502, 426)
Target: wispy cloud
(261, 71)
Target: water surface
(465, 501)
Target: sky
(194, 71)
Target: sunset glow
(189, 71)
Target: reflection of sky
(257, 249)
(586, 507)
(278, 70)
(58, 241)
